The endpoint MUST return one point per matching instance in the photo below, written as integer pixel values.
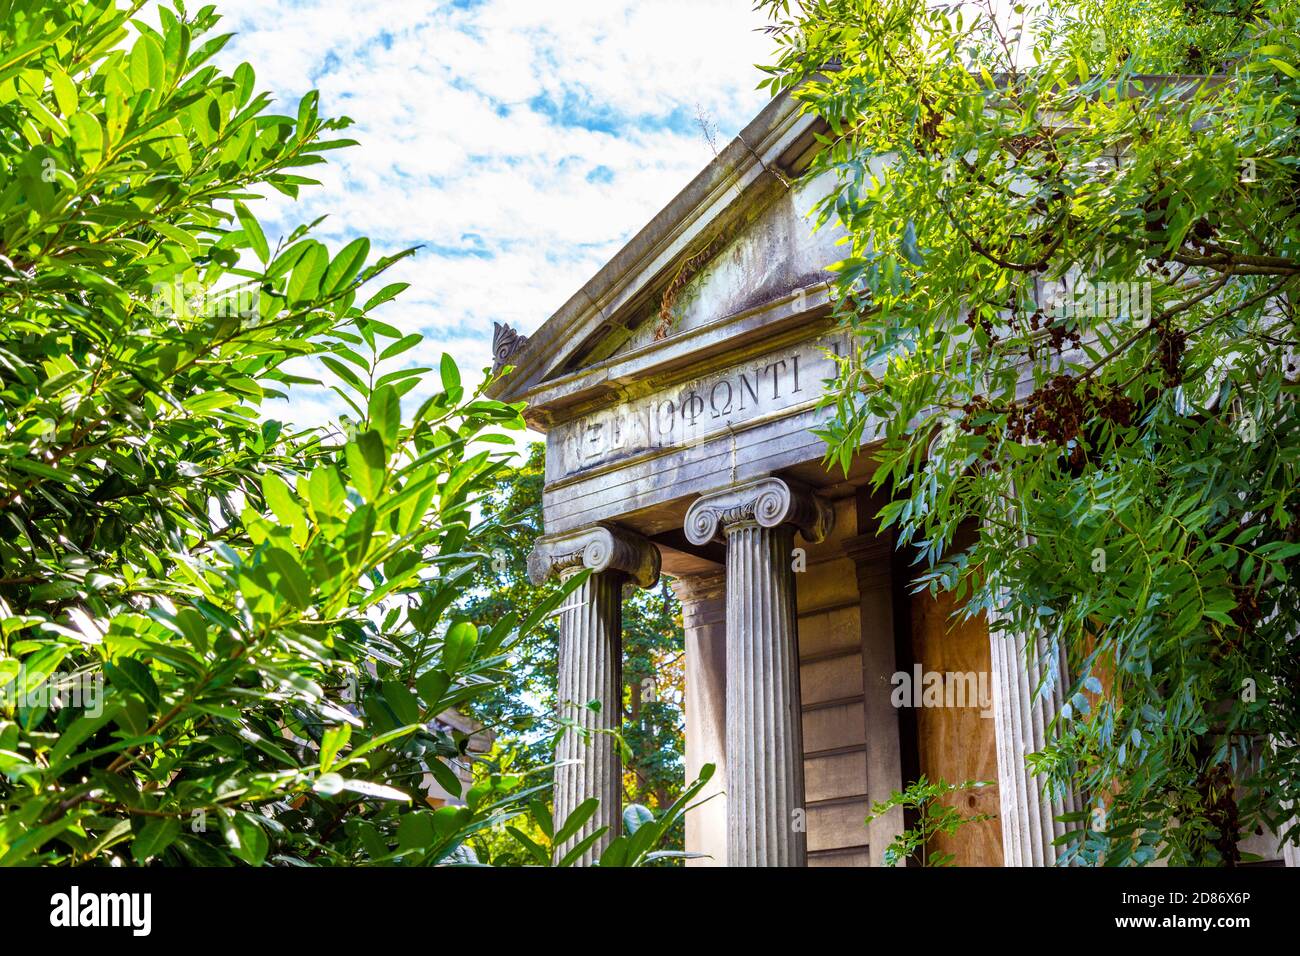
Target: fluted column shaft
(764, 733)
(591, 669)
(757, 519)
(704, 621)
(1022, 715)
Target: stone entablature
(776, 383)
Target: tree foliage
(222, 640)
(1070, 266)
(933, 817)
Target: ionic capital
(599, 548)
(767, 502)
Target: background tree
(521, 708)
(1072, 287)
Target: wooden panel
(835, 775)
(837, 825)
(957, 743)
(829, 727)
(853, 856)
(825, 632)
(830, 674)
(826, 584)
(831, 678)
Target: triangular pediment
(772, 254)
(735, 241)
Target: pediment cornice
(755, 166)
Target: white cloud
(520, 143)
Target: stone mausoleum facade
(678, 391)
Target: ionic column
(1021, 715)
(757, 519)
(704, 618)
(591, 667)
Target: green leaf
(415, 831)
(304, 282)
(542, 817)
(282, 501)
(148, 66)
(332, 741)
(450, 373)
(458, 646)
(130, 675)
(246, 838)
(326, 493)
(65, 92)
(383, 295)
(402, 701)
(88, 135)
(253, 232)
(379, 791)
(535, 851)
(367, 462)
(579, 816)
(346, 265)
(445, 776)
(634, 817)
(36, 669)
(404, 344)
(386, 415)
(156, 836)
(293, 582)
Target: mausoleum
(678, 390)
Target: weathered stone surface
(774, 253)
(704, 618)
(646, 482)
(1023, 707)
(506, 343)
(597, 548)
(590, 668)
(685, 414)
(767, 820)
(766, 502)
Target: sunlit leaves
(255, 611)
(1127, 469)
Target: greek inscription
(747, 386)
(776, 381)
(725, 403)
(697, 410)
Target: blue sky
(519, 143)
